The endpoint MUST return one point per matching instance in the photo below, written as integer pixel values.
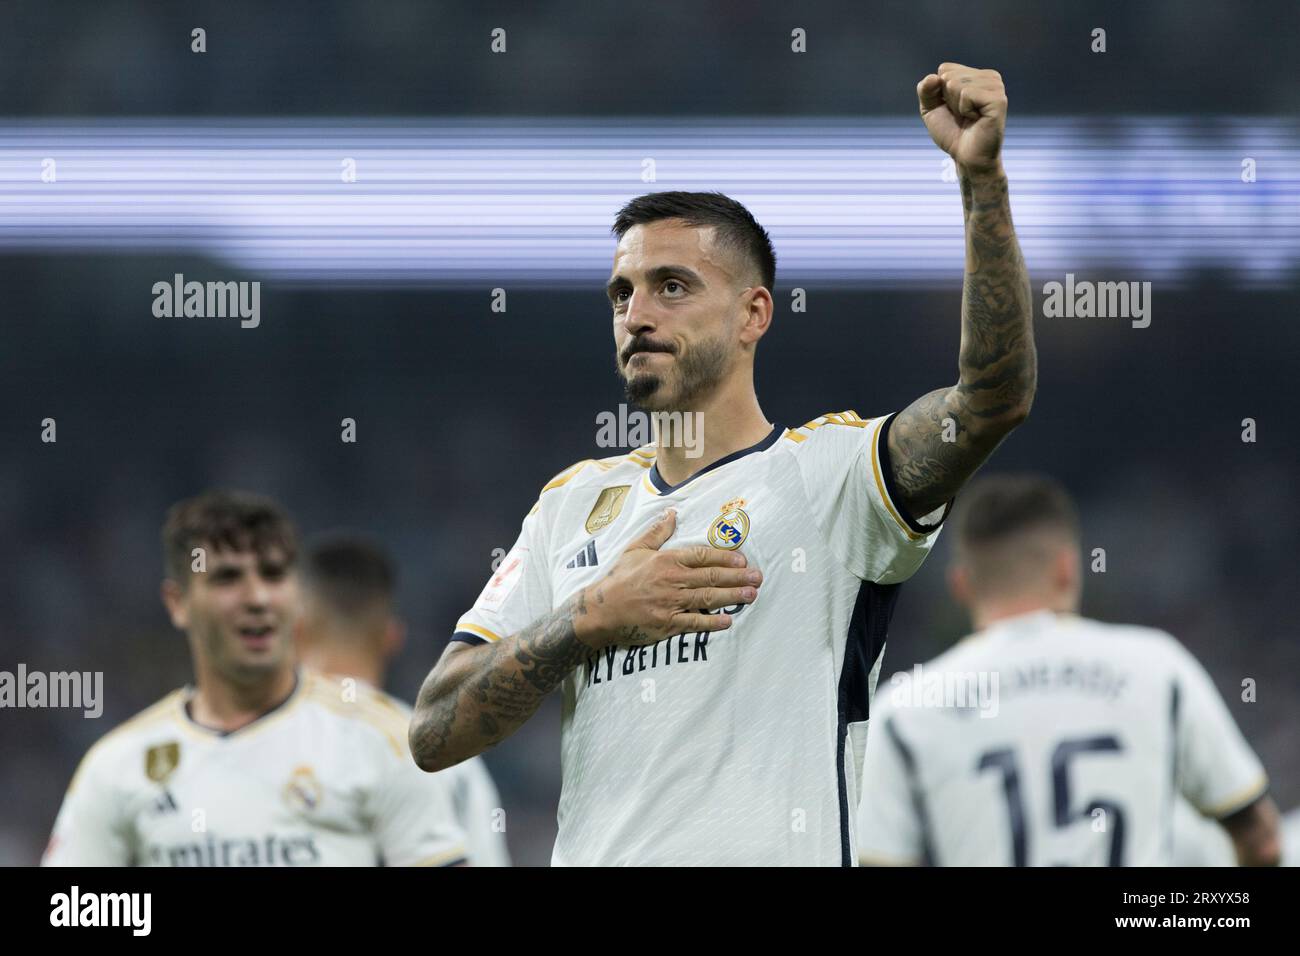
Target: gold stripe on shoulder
(392, 725)
(563, 478)
(565, 475)
(163, 709)
(849, 417)
(387, 702)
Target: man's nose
(638, 317)
(257, 592)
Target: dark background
(463, 414)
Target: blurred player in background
(715, 700)
(1046, 738)
(349, 628)
(259, 763)
(1291, 838)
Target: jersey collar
(1030, 622)
(664, 488)
(188, 694)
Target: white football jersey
(740, 746)
(1198, 840)
(479, 813)
(1049, 740)
(324, 779)
(1291, 838)
(475, 803)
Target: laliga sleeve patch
(507, 577)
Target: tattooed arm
(965, 111)
(478, 695)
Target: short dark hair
(350, 573)
(222, 519)
(998, 507)
(736, 228)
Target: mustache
(646, 345)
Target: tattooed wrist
(477, 698)
(993, 171)
(549, 649)
(938, 441)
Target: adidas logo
(586, 558)
(166, 803)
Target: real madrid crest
(607, 507)
(303, 792)
(730, 528)
(161, 761)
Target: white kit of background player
(1096, 732)
(321, 780)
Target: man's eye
(673, 282)
(618, 296)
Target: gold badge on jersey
(303, 792)
(607, 507)
(730, 528)
(161, 761)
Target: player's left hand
(965, 111)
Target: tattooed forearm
(938, 441)
(477, 696)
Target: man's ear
(175, 600)
(959, 584)
(1066, 570)
(758, 315)
(394, 637)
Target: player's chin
(651, 393)
(646, 391)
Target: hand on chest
(717, 515)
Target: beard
(697, 373)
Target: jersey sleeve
(518, 593)
(844, 463)
(89, 830)
(479, 813)
(890, 831)
(1198, 841)
(1217, 770)
(414, 820)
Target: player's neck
(985, 616)
(728, 422)
(221, 705)
(341, 663)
